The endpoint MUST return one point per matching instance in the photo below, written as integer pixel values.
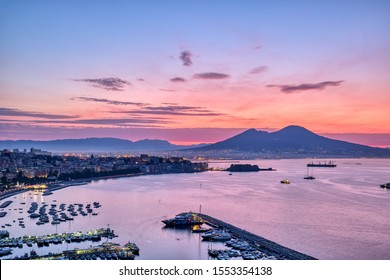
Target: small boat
(222, 237)
(385, 186)
(309, 177)
(285, 181)
(213, 253)
(5, 251)
(216, 235)
(47, 192)
(132, 247)
(199, 229)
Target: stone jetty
(258, 242)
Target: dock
(258, 242)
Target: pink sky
(194, 77)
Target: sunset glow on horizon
(194, 71)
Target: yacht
(183, 219)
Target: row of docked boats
(104, 251)
(47, 240)
(239, 249)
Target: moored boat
(184, 219)
(217, 235)
(5, 251)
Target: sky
(194, 71)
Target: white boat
(5, 251)
(47, 192)
(217, 235)
(222, 236)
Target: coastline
(65, 184)
(75, 182)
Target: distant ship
(385, 186)
(184, 219)
(319, 164)
(309, 177)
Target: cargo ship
(319, 164)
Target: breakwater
(258, 242)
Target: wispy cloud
(20, 113)
(172, 110)
(178, 80)
(303, 87)
(258, 70)
(101, 121)
(109, 84)
(167, 90)
(115, 121)
(211, 76)
(108, 101)
(185, 57)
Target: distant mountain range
(94, 145)
(289, 142)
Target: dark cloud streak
(178, 80)
(109, 84)
(211, 76)
(172, 110)
(107, 101)
(20, 113)
(303, 87)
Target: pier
(258, 242)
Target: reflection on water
(343, 214)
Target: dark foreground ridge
(265, 245)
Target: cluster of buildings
(29, 166)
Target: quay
(260, 243)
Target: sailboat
(309, 177)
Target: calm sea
(343, 214)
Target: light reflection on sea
(343, 214)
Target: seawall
(262, 244)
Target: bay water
(342, 214)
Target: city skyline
(194, 72)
